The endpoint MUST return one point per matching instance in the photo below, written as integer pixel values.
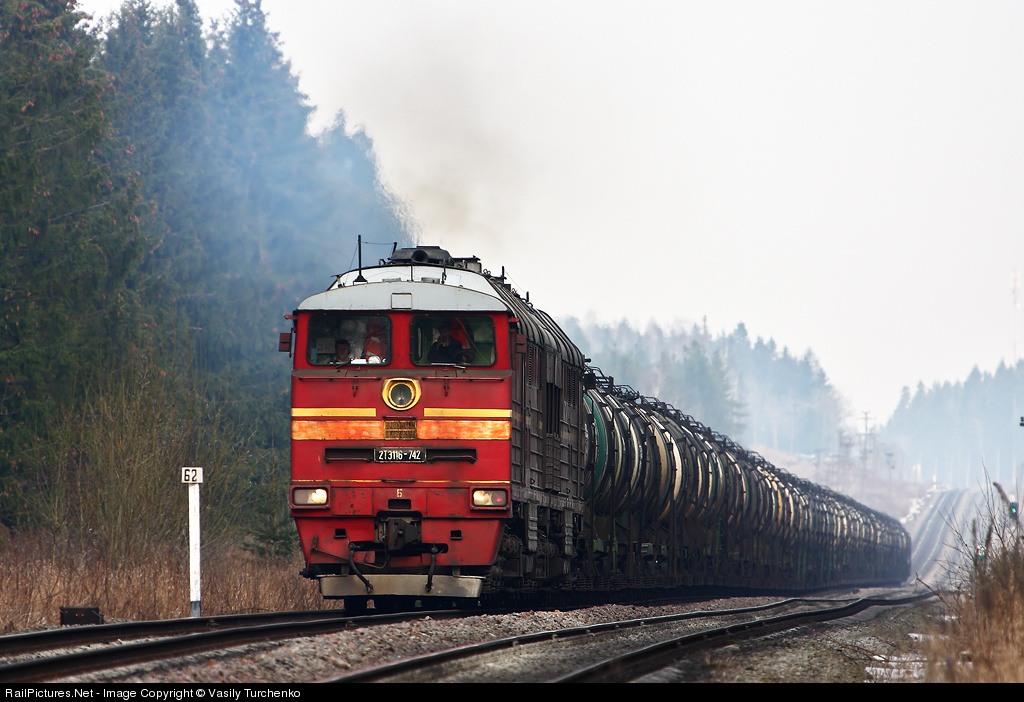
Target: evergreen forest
(750, 390)
(965, 433)
(162, 205)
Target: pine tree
(708, 392)
(161, 72)
(69, 239)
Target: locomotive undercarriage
(414, 567)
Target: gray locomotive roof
(434, 288)
(421, 288)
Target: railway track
(548, 654)
(594, 653)
(63, 655)
(637, 663)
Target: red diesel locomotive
(449, 441)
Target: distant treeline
(960, 434)
(964, 433)
(161, 207)
(748, 389)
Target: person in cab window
(446, 349)
(375, 344)
(342, 353)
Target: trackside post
(193, 477)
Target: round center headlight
(401, 393)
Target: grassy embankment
(34, 585)
(105, 512)
(980, 636)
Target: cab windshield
(342, 339)
(452, 340)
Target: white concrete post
(193, 477)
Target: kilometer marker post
(193, 477)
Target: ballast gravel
(822, 657)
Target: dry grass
(35, 583)
(108, 476)
(105, 509)
(980, 638)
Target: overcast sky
(844, 177)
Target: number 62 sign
(192, 476)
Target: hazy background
(843, 176)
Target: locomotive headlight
(401, 393)
(309, 496)
(490, 498)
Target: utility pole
(1016, 306)
(1013, 366)
(864, 447)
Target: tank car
(450, 441)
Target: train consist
(450, 441)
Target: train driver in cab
(342, 352)
(446, 349)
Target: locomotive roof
(423, 287)
(439, 283)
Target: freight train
(448, 440)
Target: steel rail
(406, 665)
(62, 665)
(26, 642)
(639, 662)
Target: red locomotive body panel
(398, 481)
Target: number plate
(398, 455)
